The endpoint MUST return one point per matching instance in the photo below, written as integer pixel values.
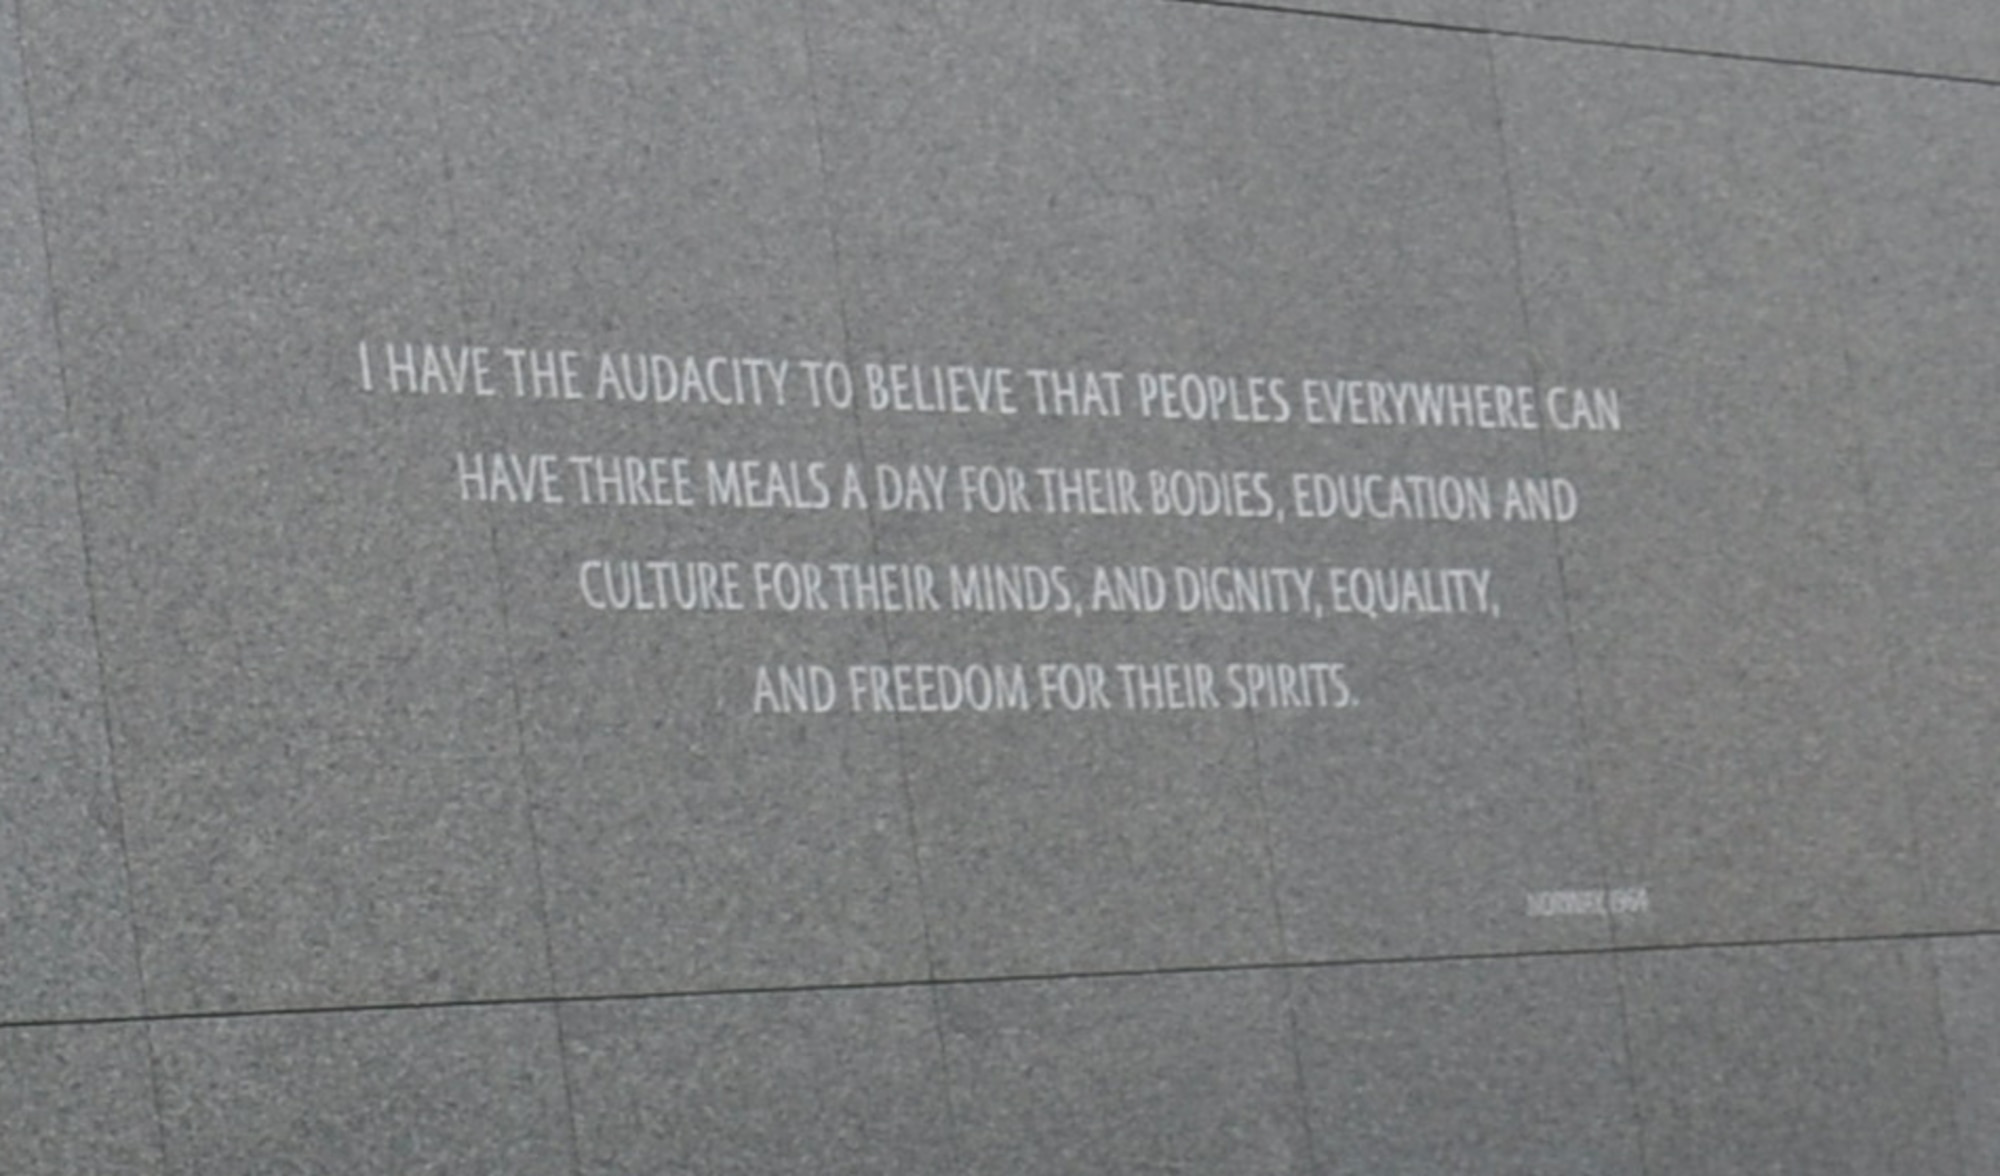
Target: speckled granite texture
(992, 586)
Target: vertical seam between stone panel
(1891, 651)
(526, 790)
(912, 832)
(159, 1101)
(52, 317)
(573, 1129)
(1934, 972)
(953, 1130)
(524, 777)
(907, 789)
(1253, 721)
(1260, 796)
(1294, 1043)
(1291, 987)
(1875, 529)
(1294, 992)
(1585, 758)
(1618, 962)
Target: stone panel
(1495, 1065)
(440, 1090)
(301, 651)
(324, 881)
(658, 193)
(1124, 1075)
(1969, 979)
(1917, 298)
(982, 221)
(828, 1082)
(237, 205)
(1821, 1058)
(1353, 226)
(77, 1099)
(1679, 220)
(65, 935)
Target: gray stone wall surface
(1070, 586)
(65, 927)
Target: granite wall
(1016, 586)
